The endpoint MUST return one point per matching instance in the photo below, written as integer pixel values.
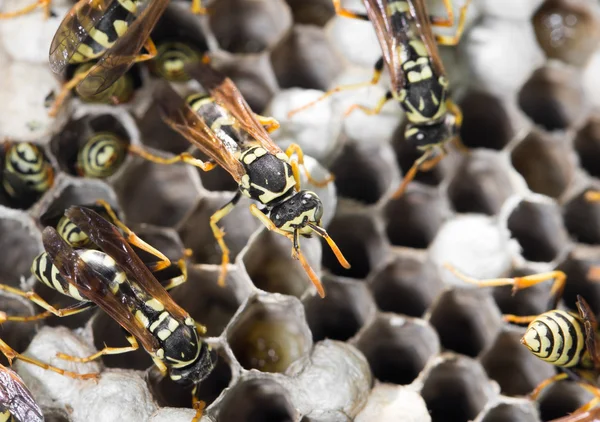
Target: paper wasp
(418, 78)
(222, 126)
(101, 156)
(27, 173)
(171, 58)
(16, 402)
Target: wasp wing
(16, 397)
(110, 240)
(228, 96)
(91, 286)
(121, 56)
(422, 17)
(177, 114)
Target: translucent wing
(421, 15)
(110, 240)
(74, 29)
(121, 56)
(87, 282)
(177, 114)
(16, 397)
(227, 95)
(589, 416)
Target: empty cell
(155, 133)
(311, 12)
(305, 59)
(582, 219)
(455, 390)
(20, 243)
(553, 97)
(533, 300)
(486, 121)
(360, 174)
(407, 285)
(17, 334)
(361, 242)
(467, 320)
(587, 145)
(56, 415)
(538, 228)
(505, 412)
(482, 184)
(270, 333)
(341, 313)
(414, 219)
(257, 400)
(561, 399)
(567, 30)
(513, 366)
(249, 26)
(398, 348)
(582, 267)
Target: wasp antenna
(310, 272)
(334, 248)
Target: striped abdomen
(101, 156)
(557, 337)
(43, 269)
(25, 162)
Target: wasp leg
(592, 196)
(270, 123)
(425, 163)
(106, 351)
(449, 21)
(151, 52)
(370, 111)
(537, 390)
(197, 8)
(296, 253)
(11, 355)
(199, 406)
(296, 149)
(218, 233)
(184, 157)
(517, 319)
(339, 10)
(590, 324)
(173, 282)
(28, 9)
(68, 311)
(376, 76)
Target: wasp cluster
(397, 336)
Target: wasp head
(199, 369)
(426, 135)
(299, 212)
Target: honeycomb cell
(553, 97)
(509, 412)
(531, 301)
(568, 30)
(467, 320)
(304, 59)
(582, 219)
(362, 173)
(255, 26)
(270, 333)
(360, 240)
(587, 145)
(561, 399)
(538, 228)
(341, 313)
(483, 182)
(398, 348)
(513, 366)
(581, 267)
(487, 123)
(155, 133)
(171, 190)
(16, 334)
(165, 240)
(312, 12)
(56, 415)
(456, 389)
(20, 243)
(407, 285)
(414, 219)
(254, 400)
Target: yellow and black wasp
(418, 78)
(222, 126)
(116, 279)
(101, 155)
(172, 57)
(16, 402)
(27, 173)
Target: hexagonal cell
(582, 219)
(561, 399)
(513, 366)
(305, 59)
(156, 194)
(553, 97)
(257, 400)
(414, 219)
(538, 228)
(545, 162)
(238, 225)
(486, 121)
(269, 333)
(341, 313)
(20, 243)
(361, 173)
(15, 333)
(482, 184)
(508, 412)
(531, 301)
(311, 12)
(92, 128)
(568, 30)
(398, 348)
(271, 268)
(407, 285)
(581, 268)
(455, 390)
(587, 145)
(360, 240)
(467, 320)
(256, 26)
(155, 133)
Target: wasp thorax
(297, 211)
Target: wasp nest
(397, 337)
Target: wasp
(27, 172)
(16, 401)
(101, 156)
(171, 58)
(418, 78)
(222, 126)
